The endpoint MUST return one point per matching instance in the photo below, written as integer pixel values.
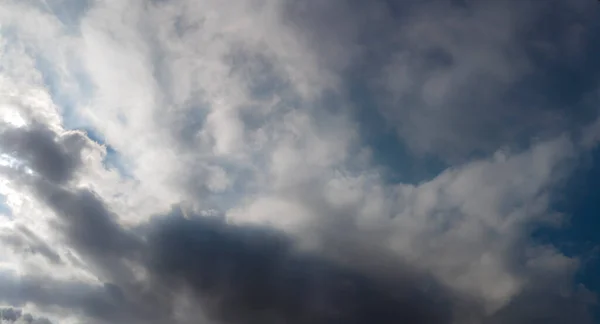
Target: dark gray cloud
(10, 314)
(245, 274)
(86, 221)
(454, 78)
(13, 315)
(242, 274)
(25, 241)
(234, 274)
(55, 157)
(98, 302)
(83, 218)
(254, 275)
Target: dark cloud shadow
(245, 274)
(53, 156)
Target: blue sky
(276, 161)
(4, 209)
(579, 237)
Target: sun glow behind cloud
(13, 118)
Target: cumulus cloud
(249, 188)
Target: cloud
(12, 315)
(224, 266)
(257, 273)
(54, 157)
(458, 78)
(27, 241)
(95, 301)
(253, 193)
(250, 268)
(541, 307)
(478, 215)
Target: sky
(299, 161)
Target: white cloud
(462, 225)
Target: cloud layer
(254, 162)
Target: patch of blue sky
(68, 101)
(568, 86)
(4, 208)
(399, 164)
(69, 12)
(9, 34)
(113, 159)
(579, 236)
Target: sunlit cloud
(13, 118)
